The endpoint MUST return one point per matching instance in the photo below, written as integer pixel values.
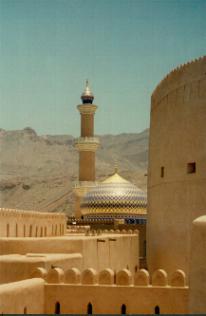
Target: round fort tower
(87, 145)
(177, 165)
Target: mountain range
(38, 172)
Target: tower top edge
(174, 72)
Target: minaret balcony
(87, 184)
(86, 143)
(87, 108)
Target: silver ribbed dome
(114, 197)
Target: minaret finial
(87, 95)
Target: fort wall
(58, 291)
(19, 267)
(24, 297)
(20, 223)
(140, 293)
(110, 300)
(197, 277)
(109, 250)
(176, 174)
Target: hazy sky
(124, 47)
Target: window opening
(191, 167)
(123, 309)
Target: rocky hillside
(37, 172)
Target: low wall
(116, 251)
(19, 223)
(108, 292)
(19, 267)
(24, 297)
(109, 300)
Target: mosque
(47, 266)
(115, 201)
(115, 197)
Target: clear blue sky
(124, 47)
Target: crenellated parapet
(22, 223)
(185, 81)
(78, 229)
(93, 232)
(35, 214)
(109, 277)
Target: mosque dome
(115, 197)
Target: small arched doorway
(25, 310)
(123, 309)
(157, 310)
(89, 309)
(57, 308)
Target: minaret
(87, 145)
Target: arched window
(45, 231)
(157, 310)
(36, 231)
(57, 308)
(123, 309)
(24, 230)
(89, 309)
(25, 310)
(41, 234)
(56, 230)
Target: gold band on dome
(140, 211)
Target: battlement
(93, 232)
(179, 77)
(109, 277)
(22, 223)
(29, 214)
(80, 229)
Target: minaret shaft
(86, 166)
(87, 125)
(87, 145)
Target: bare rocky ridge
(38, 172)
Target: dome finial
(87, 96)
(115, 166)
